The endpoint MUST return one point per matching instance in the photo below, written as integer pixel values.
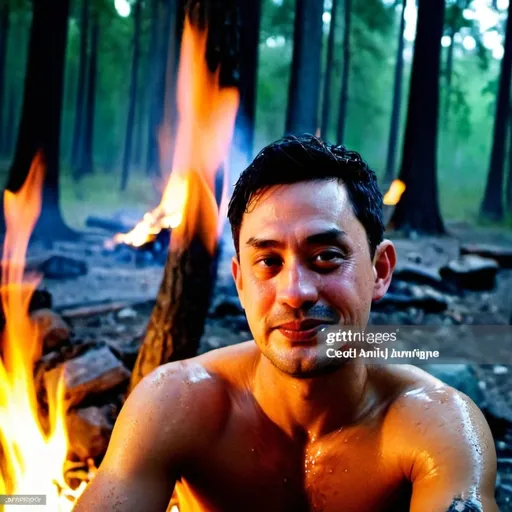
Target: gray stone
(471, 272)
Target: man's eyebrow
(324, 237)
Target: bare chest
(259, 469)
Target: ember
(34, 453)
(393, 195)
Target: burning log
(207, 114)
(177, 322)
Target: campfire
(207, 114)
(34, 442)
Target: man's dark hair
(307, 158)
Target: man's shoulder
(427, 417)
(198, 390)
(417, 395)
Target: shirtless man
(270, 424)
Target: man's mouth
(305, 330)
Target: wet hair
(307, 158)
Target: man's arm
(454, 467)
(158, 427)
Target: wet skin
(272, 424)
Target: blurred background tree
(120, 67)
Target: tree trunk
(418, 209)
(77, 145)
(153, 103)
(397, 101)
(140, 118)
(304, 89)
(4, 37)
(86, 164)
(12, 122)
(133, 95)
(492, 204)
(345, 74)
(329, 65)
(177, 321)
(163, 12)
(448, 77)
(250, 16)
(41, 116)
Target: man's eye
(269, 262)
(328, 256)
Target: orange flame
(33, 458)
(207, 116)
(393, 195)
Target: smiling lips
(301, 331)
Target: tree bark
(250, 16)
(4, 37)
(418, 209)
(177, 321)
(12, 122)
(345, 74)
(41, 115)
(448, 77)
(86, 163)
(76, 152)
(304, 89)
(397, 101)
(133, 95)
(492, 204)
(163, 13)
(329, 65)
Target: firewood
(95, 371)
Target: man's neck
(311, 407)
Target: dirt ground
(128, 289)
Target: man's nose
(296, 287)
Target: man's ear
(384, 263)
(237, 277)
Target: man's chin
(304, 362)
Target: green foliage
(465, 129)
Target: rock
(471, 272)
(461, 377)
(414, 257)
(94, 371)
(126, 313)
(419, 274)
(90, 429)
(502, 255)
(52, 329)
(429, 301)
(62, 267)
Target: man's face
(304, 265)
